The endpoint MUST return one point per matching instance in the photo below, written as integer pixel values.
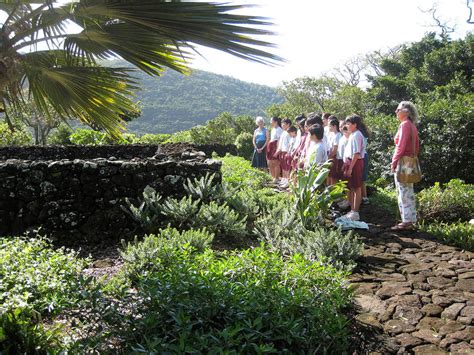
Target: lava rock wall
(81, 198)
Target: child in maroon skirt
(283, 152)
(272, 158)
(354, 164)
(333, 144)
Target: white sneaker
(353, 216)
(343, 204)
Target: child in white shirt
(316, 153)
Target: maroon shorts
(285, 161)
(355, 180)
(271, 150)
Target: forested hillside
(176, 102)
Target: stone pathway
(412, 293)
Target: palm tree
(52, 49)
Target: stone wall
(82, 197)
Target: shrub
(238, 172)
(36, 282)
(61, 136)
(141, 256)
(244, 144)
(253, 301)
(180, 213)
(204, 189)
(287, 235)
(148, 213)
(220, 220)
(460, 234)
(83, 136)
(20, 136)
(449, 203)
(153, 138)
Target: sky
(314, 36)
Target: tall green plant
(313, 197)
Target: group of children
(315, 140)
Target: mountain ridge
(175, 102)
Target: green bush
(460, 234)
(244, 144)
(205, 188)
(238, 172)
(153, 138)
(286, 234)
(253, 301)
(83, 136)
(36, 282)
(20, 136)
(449, 203)
(61, 135)
(141, 256)
(221, 220)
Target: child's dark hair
(292, 129)
(333, 121)
(357, 120)
(317, 130)
(314, 119)
(277, 120)
(286, 121)
(326, 115)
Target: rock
(391, 290)
(364, 288)
(430, 349)
(370, 304)
(440, 282)
(446, 342)
(369, 320)
(452, 311)
(461, 348)
(450, 327)
(415, 268)
(466, 275)
(428, 336)
(465, 334)
(465, 320)
(466, 285)
(445, 272)
(431, 323)
(468, 312)
(432, 309)
(387, 314)
(409, 300)
(397, 326)
(408, 341)
(411, 314)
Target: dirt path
(413, 294)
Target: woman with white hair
(261, 137)
(407, 143)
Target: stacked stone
(415, 293)
(82, 198)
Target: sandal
(403, 226)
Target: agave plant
(53, 48)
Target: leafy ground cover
(178, 290)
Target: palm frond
(93, 94)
